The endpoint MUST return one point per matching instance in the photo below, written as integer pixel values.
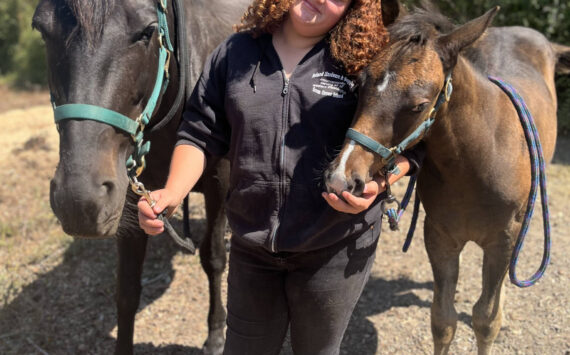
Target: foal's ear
(449, 46)
(391, 9)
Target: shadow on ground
(379, 296)
(71, 309)
(562, 152)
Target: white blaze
(338, 180)
(382, 86)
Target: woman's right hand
(148, 217)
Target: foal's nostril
(358, 186)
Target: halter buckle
(167, 65)
(448, 89)
(139, 189)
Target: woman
(277, 98)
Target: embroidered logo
(332, 84)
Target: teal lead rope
(538, 176)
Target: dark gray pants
(314, 292)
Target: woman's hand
(355, 204)
(148, 217)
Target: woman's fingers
(335, 202)
(148, 217)
(353, 204)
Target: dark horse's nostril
(107, 188)
(358, 186)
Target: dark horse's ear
(391, 9)
(449, 46)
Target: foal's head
(398, 91)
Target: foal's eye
(420, 107)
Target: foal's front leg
(443, 252)
(487, 312)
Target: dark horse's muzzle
(87, 191)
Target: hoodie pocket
(251, 206)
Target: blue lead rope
(394, 215)
(538, 175)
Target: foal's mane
(420, 24)
(90, 16)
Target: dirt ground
(57, 293)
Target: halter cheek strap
(389, 154)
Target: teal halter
(133, 127)
(389, 154)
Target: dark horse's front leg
(213, 250)
(131, 244)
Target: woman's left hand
(353, 204)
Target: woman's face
(312, 18)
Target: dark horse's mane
(90, 17)
(420, 24)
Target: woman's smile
(310, 9)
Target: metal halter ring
(389, 200)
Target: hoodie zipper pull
(285, 83)
(285, 87)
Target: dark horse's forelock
(91, 17)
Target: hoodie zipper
(284, 120)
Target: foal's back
(525, 59)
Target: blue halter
(133, 127)
(389, 154)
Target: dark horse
(105, 53)
(476, 177)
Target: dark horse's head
(102, 53)
(399, 91)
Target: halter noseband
(389, 154)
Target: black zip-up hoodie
(279, 135)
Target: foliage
(563, 91)
(29, 66)
(9, 33)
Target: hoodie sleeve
(204, 123)
(416, 156)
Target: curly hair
(354, 40)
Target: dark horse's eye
(420, 107)
(147, 33)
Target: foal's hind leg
(443, 252)
(487, 312)
(213, 252)
(131, 256)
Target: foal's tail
(562, 58)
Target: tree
(9, 33)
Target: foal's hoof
(214, 345)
